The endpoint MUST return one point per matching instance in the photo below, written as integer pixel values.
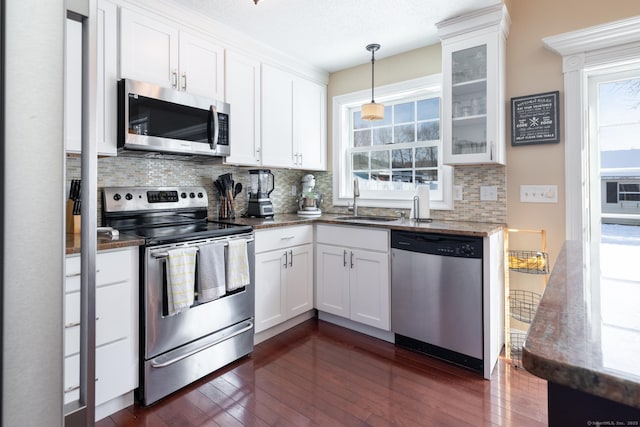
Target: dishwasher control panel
(437, 244)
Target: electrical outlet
(489, 192)
(294, 191)
(457, 192)
(539, 193)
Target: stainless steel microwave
(155, 118)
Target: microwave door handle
(213, 117)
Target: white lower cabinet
(116, 325)
(353, 274)
(284, 274)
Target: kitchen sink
(367, 218)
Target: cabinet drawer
(111, 267)
(277, 238)
(353, 237)
(113, 314)
(114, 373)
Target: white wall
(34, 244)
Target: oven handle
(165, 254)
(197, 350)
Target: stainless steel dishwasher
(436, 295)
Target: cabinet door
(472, 77)
(73, 87)
(277, 119)
(270, 300)
(106, 79)
(332, 281)
(299, 284)
(370, 301)
(148, 49)
(242, 90)
(201, 66)
(309, 118)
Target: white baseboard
(358, 327)
(278, 329)
(114, 405)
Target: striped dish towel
(237, 264)
(181, 269)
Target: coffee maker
(261, 184)
(309, 199)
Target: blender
(309, 199)
(261, 184)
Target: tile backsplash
(162, 171)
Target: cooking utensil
(237, 189)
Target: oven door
(161, 332)
(154, 118)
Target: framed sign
(535, 119)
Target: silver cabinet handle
(286, 259)
(287, 238)
(184, 81)
(174, 78)
(300, 161)
(74, 387)
(72, 275)
(74, 324)
(291, 258)
(351, 259)
(344, 258)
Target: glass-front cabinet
(473, 66)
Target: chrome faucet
(356, 194)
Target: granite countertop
(104, 242)
(466, 228)
(586, 332)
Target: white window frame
(342, 187)
(583, 53)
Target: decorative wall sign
(535, 119)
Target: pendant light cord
(373, 61)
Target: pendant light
(372, 111)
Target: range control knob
(117, 197)
(200, 195)
(183, 195)
(192, 195)
(128, 196)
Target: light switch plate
(539, 193)
(457, 192)
(488, 192)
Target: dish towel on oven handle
(181, 269)
(211, 274)
(237, 264)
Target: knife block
(72, 221)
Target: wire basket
(523, 304)
(515, 348)
(531, 262)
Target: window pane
(380, 175)
(379, 159)
(402, 159)
(402, 176)
(404, 133)
(426, 176)
(382, 136)
(426, 157)
(362, 138)
(404, 113)
(361, 161)
(429, 131)
(358, 123)
(429, 109)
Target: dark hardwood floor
(321, 374)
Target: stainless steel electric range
(177, 349)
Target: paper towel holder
(416, 210)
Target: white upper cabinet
(242, 90)
(473, 69)
(156, 51)
(105, 79)
(293, 121)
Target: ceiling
(332, 34)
